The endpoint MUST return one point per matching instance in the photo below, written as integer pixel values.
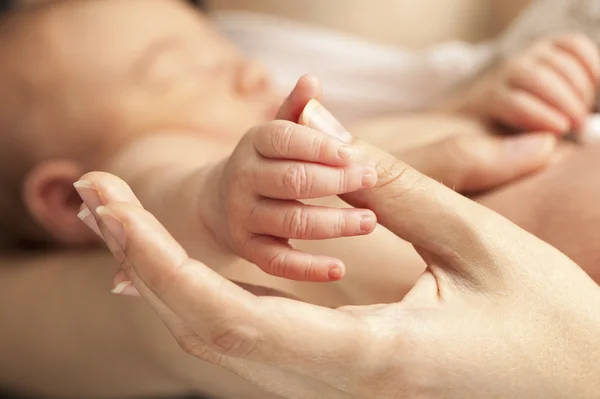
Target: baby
(148, 91)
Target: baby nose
(253, 78)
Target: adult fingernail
(126, 288)
(317, 117)
(367, 223)
(113, 225)
(85, 215)
(530, 144)
(88, 193)
(346, 152)
(369, 179)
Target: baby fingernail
(317, 117)
(88, 193)
(367, 223)
(113, 225)
(126, 288)
(346, 152)
(369, 179)
(335, 273)
(85, 215)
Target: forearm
(178, 183)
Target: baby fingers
(276, 257)
(292, 219)
(288, 180)
(544, 83)
(286, 140)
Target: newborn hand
(549, 87)
(273, 167)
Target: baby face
(159, 65)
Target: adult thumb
(476, 163)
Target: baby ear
(52, 201)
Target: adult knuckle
(234, 338)
(190, 344)
(297, 180)
(393, 173)
(396, 181)
(194, 346)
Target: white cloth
(361, 79)
(548, 17)
(544, 18)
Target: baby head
(82, 78)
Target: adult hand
(498, 313)
(468, 163)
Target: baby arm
(248, 203)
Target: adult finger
(476, 163)
(453, 229)
(100, 188)
(295, 220)
(231, 321)
(287, 140)
(288, 180)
